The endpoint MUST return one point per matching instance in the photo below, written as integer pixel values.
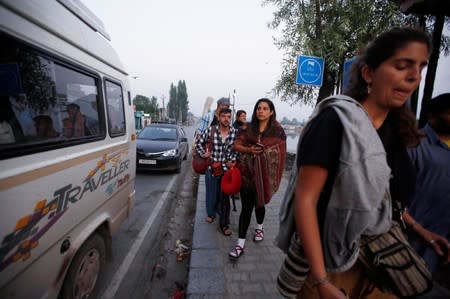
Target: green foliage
(37, 81)
(182, 98)
(141, 100)
(178, 105)
(172, 106)
(147, 105)
(333, 29)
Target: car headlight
(170, 153)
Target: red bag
(216, 169)
(231, 181)
(200, 164)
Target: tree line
(177, 107)
(293, 122)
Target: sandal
(259, 235)
(226, 231)
(236, 252)
(210, 219)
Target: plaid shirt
(220, 151)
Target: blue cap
(223, 101)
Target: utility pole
(234, 100)
(163, 108)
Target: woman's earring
(369, 88)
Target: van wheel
(84, 272)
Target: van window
(44, 103)
(116, 114)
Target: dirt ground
(170, 270)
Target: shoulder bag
(393, 264)
(294, 270)
(200, 164)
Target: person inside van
(6, 133)
(10, 129)
(44, 127)
(74, 124)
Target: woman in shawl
(262, 144)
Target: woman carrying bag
(353, 168)
(262, 147)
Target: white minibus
(67, 149)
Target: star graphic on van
(101, 164)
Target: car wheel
(84, 272)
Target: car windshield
(158, 133)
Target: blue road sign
(310, 70)
(347, 67)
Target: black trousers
(248, 201)
(223, 208)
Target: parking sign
(310, 70)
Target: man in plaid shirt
(216, 143)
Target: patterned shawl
(263, 172)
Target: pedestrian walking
(212, 117)
(222, 157)
(262, 148)
(353, 167)
(430, 206)
(241, 119)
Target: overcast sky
(215, 46)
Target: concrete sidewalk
(211, 273)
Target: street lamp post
(234, 100)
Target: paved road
(145, 240)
